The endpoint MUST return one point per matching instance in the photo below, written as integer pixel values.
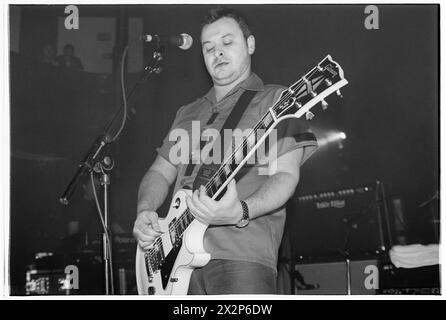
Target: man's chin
(222, 73)
(223, 79)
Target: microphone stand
(346, 254)
(94, 161)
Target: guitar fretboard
(232, 165)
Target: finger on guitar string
(148, 217)
(146, 237)
(144, 245)
(205, 200)
(143, 230)
(198, 198)
(195, 211)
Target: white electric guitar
(165, 268)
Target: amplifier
(56, 273)
(337, 278)
(412, 281)
(352, 221)
(40, 282)
(374, 276)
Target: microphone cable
(124, 97)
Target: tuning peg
(338, 92)
(309, 115)
(324, 104)
(313, 94)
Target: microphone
(183, 41)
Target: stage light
(330, 137)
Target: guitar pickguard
(169, 262)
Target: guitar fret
(272, 113)
(227, 171)
(179, 228)
(217, 181)
(182, 225)
(187, 220)
(189, 217)
(173, 232)
(222, 177)
(245, 149)
(267, 121)
(214, 188)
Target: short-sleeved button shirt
(260, 240)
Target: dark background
(390, 110)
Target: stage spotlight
(331, 137)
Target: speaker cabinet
(337, 278)
(329, 224)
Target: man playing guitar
(246, 224)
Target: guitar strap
(231, 122)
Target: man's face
(226, 52)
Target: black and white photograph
(235, 149)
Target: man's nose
(219, 52)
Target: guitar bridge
(148, 266)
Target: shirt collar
(252, 83)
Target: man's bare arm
(279, 187)
(152, 192)
(155, 185)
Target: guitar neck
(231, 166)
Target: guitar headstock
(312, 88)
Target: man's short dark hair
(69, 46)
(222, 12)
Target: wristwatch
(244, 221)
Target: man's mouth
(221, 64)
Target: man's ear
(251, 41)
